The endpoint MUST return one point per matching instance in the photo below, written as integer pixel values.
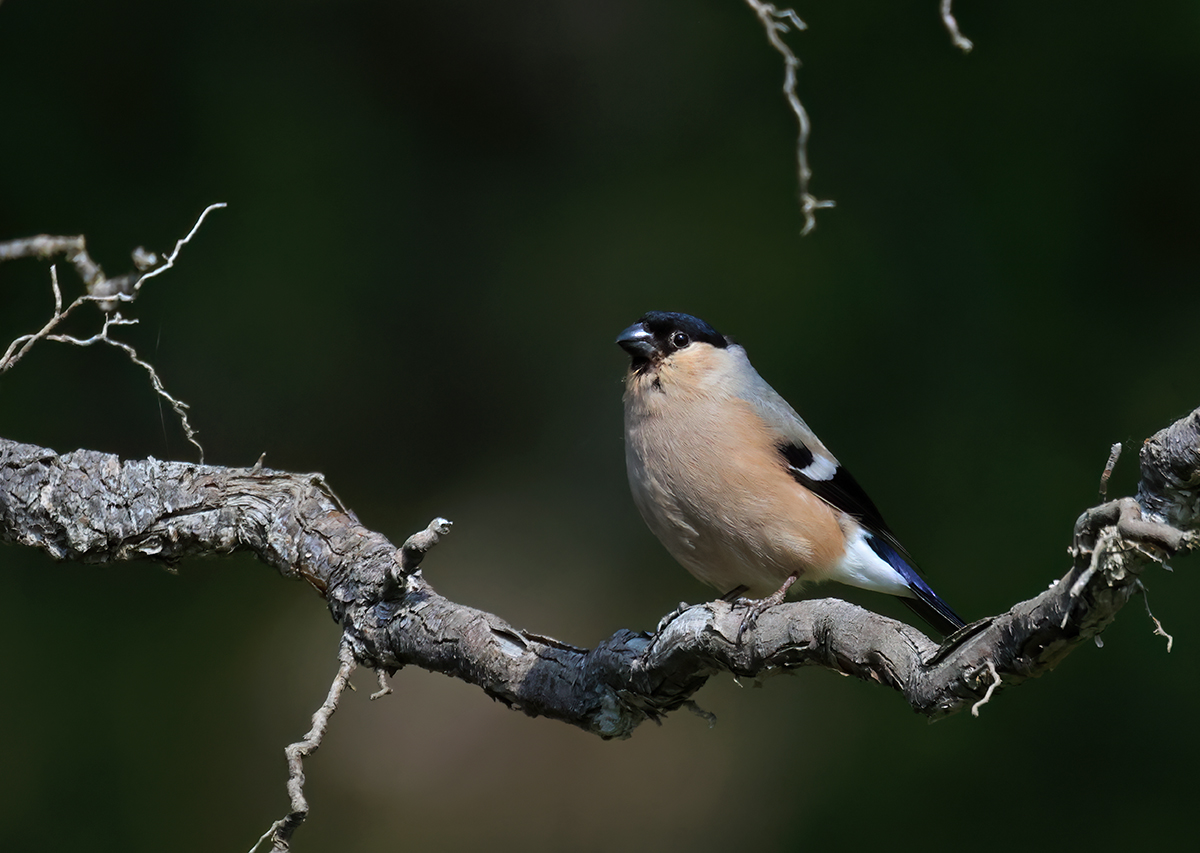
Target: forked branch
(104, 292)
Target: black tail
(933, 610)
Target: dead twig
(777, 22)
(960, 41)
(281, 831)
(1113, 455)
(987, 697)
(107, 293)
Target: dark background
(440, 216)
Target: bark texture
(94, 508)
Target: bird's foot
(756, 607)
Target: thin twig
(270, 831)
(169, 261)
(776, 23)
(281, 831)
(1158, 628)
(960, 41)
(708, 716)
(991, 689)
(107, 294)
(384, 688)
(12, 355)
(1085, 577)
(1113, 455)
(320, 481)
(40, 246)
(178, 406)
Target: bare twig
(262, 838)
(107, 293)
(179, 407)
(42, 246)
(708, 716)
(22, 344)
(1158, 628)
(319, 480)
(1086, 576)
(185, 510)
(79, 506)
(960, 41)
(385, 689)
(169, 261)
(75, 248)
(991, 689)
(1113, 455)
(777, 22)
(281, 831)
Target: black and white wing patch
(834, 485)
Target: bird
(736, 485)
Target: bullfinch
(737, 487)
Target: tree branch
(91, 507)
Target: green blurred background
(440, 216)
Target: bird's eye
(679, 340)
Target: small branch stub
(415, 548)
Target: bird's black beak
(637, 341)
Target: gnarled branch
(91, 507)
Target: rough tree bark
(91, 507)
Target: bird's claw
(756, 607)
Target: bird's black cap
(659, 333)
(662, 323)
